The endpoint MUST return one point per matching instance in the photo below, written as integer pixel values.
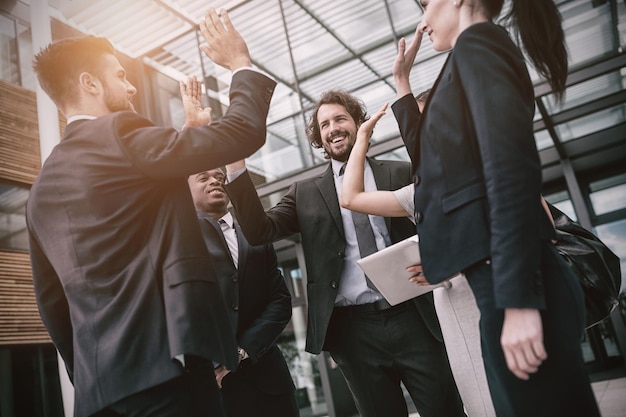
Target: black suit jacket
(259, 307)
(477, 169)
(311, 208)
(122, 276)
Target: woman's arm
(353, 196)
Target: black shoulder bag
(595, 265)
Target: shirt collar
(79, 117)
(337, 165)
(228, 218)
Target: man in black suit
(376, 346)
(259, 307)
(122, 276)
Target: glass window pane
(586, 92)
(592, 123)
(25, 50)
(561, 200)
(8, 51)
(543, 140)
(13, 234)
(608, 195)
(614, 236)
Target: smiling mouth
(215, 190)
(336, 139)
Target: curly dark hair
(354, 106)
(59, 65)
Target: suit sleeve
(166, 153)
(408, 116)
(500, 102)
(258, 226)
(268, 325)
(53, 306)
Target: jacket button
(341, 254)
(416, 179)
(419, 217)
(235, 307)
(334, 284)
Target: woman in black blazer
(477, 198)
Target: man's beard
(117, 104)
(344, 153)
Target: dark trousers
(561, 386)
(244, 399)
(376, 350)
(194, 394)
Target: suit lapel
(326, 185)
(421, 121)
(382, 177)
(218, 230)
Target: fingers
(401, 47)
(206, 27)
(192, 89)
(227, 22)
(523, 360)
(418, 276)
(522, 341)
(380, 113)
(213, 21)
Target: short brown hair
(59, 64)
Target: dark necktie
(364, 234)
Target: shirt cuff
(232, 176)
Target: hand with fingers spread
(522, 341)
(225, 45)
(191, 94)
(404, 62)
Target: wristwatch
(242, 354)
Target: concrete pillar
(48, 119)
(47, 113)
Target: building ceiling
(310, 46)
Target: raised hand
(191, 94)
(225, 45)
(367, 127)
(404, 62)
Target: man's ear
(89, 83)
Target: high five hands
(404, 62)
(191, 94)
(225, 45)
